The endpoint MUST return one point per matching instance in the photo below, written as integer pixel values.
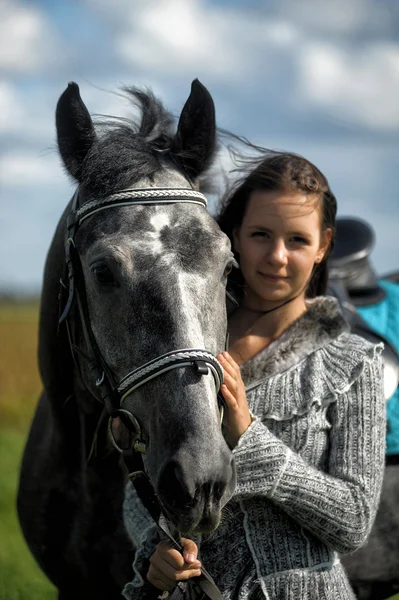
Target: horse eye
(229, 267)
(227, 270)
(103, 275)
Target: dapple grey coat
(309, 468)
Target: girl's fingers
(227, 367)
(235, 385)
(158, 580)
(192, 573)
(228, 370)
(228, 396)
(165, 552)
(231, 382)
(232, 362)
(190, 551)
(165, 577)
(170, 570)
(162, 566)
(167, 565)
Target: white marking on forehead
(159, 221)
(152, 239)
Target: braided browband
(167, 362)
(141, 196)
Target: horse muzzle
(192, 502)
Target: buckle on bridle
(133, 426)
(201, 367)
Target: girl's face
(279, 241)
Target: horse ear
(195, 140)
(75, 130)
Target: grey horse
(148, 281)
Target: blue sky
(311, 76)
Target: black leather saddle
(349, 262)
(354, 240)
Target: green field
(20, 577)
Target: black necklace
(266, 312)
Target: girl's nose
(278, 253)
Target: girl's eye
(299, 240)
(103, 275)
(259, 234)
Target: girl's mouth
(271, 277)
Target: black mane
(127, 149)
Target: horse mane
(127, 148)
(156, 125)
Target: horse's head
(152, 281)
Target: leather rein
(111, 392)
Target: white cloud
(27, 41)
(340, 17)
(180, 37)
(177, 35)
(307, 46)
(25, 115)
(359, 85)
(22, 169)
(11, 110)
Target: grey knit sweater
(309, 468)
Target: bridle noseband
(166, 362)
(114, 393)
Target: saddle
(349, 262)
(354, 283)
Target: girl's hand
(237, 417)
(168, 566)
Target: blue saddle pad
(383, 317)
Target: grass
(20, 577)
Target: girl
(305, 411)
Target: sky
(316, 77)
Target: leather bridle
(113, 393)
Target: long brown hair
(287, 173)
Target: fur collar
(320, 325)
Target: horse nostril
(173, 485)
(218, 490)
(178, 475)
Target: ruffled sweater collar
(321, 324)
